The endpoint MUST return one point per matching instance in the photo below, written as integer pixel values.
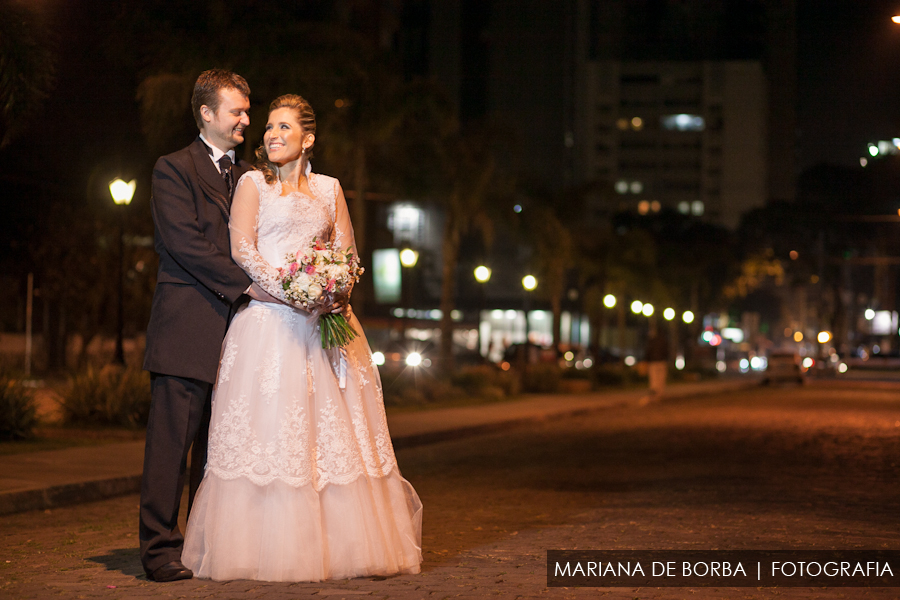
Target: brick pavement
(50, 479)
(771, 469)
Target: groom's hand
(257, 293)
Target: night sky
(848, 83)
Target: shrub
(110, 396)
(485, 380)
(18, 411)
(576, 374)
(541, 378)
(608, 376)
(418, 389)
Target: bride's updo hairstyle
(307, 119)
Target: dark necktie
(225, 165)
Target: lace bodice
(266, 226)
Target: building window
(697, 208)
(407, 223)
(683, 122)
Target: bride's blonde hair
(307, 119)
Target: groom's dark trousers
(198, 288)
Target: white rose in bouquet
(335, 272)
(301, 282)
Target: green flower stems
(336, 331)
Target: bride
(301, 482)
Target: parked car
(783, 365)
(530, 354)
(408, 353)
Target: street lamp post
(529, 283)
(482, 276)
(408, 259)
(121, 193)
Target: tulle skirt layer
(239, 530)
(301, 482)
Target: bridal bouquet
(314, 277)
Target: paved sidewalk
(41, 480)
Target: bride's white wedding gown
(301, 482)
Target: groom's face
(225, 126)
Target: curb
(66, 495)
(101, 489)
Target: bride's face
(284, 138)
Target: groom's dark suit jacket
(197, 283)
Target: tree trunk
(556, 306)
(450, 250)
(620, 326)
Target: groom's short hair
(206, 90)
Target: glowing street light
(637, 306)
(408, 257)
(122, 192)
(482, 274)
(529, 282)
(798, 336)
(687, 317)
(896, 19)
(824, 337)
(669, 314)
(609, 301)
(647, 309)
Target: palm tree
(553, 257)
(471, 172)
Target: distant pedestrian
(657, 357)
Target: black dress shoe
(173, 571)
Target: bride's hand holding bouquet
(319, 279)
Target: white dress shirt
(217, 154)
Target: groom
(198, 288)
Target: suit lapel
(208, 177)
(239, 169)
